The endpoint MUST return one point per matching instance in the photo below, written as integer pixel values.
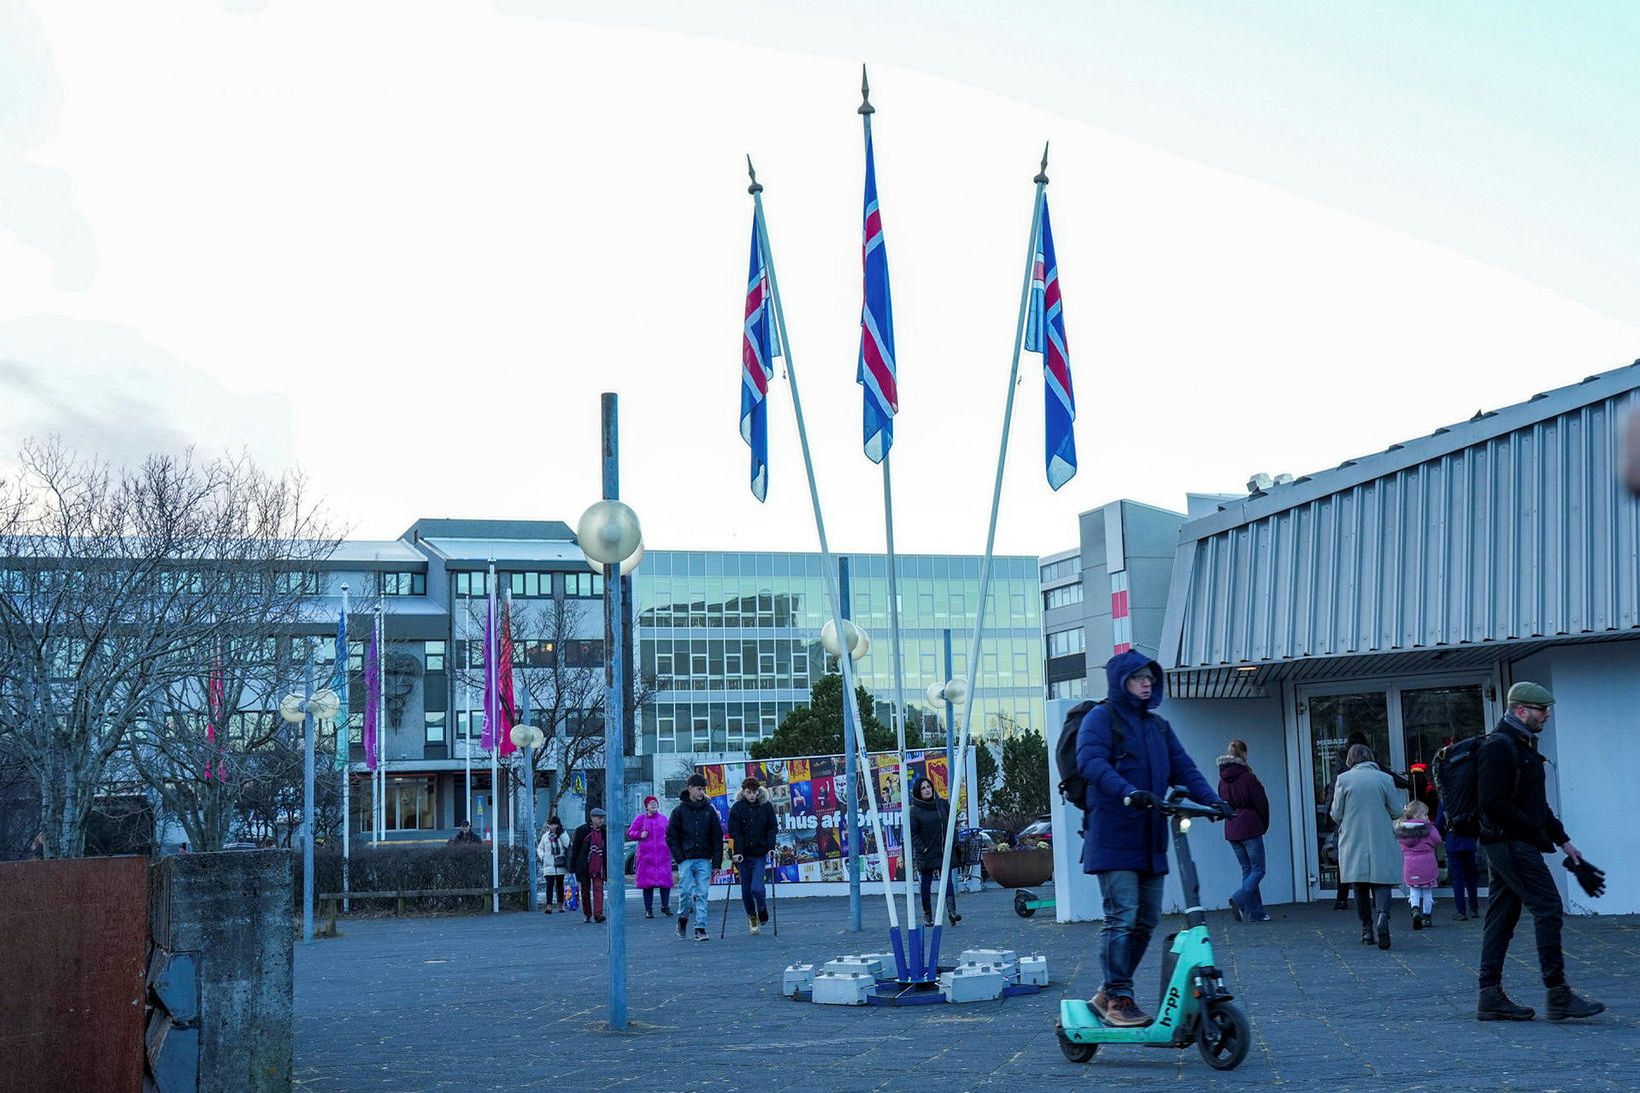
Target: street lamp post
(527, 738)
(305, 708)
(610, 536)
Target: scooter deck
(1082, 1026)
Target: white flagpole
(961, 756)
(493, 704)
(464, 694)
(343, 739)
(851, 714)
(865, 112)
(381, 720)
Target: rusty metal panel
(73, 957)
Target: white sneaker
(751, 920)
(700, 935)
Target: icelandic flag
(759, 346)
(372, 699)
(340, 687)
(1045, 334)
(876, 368)
(492, 704)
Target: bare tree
(563, 681)
(120, 591)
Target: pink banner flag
(504, 683)
(492, 705)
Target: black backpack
(1072, 786)
(1456, 770)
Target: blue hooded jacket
(1151, 758)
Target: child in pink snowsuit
(1420, 868)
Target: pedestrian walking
(1245, 830)
(552, 854)
(929, 815)
(464, 834)
(1517, 828)
(753, 827)
(653, 870)
(695, 837)
(589, 861)
(1365, 807)
(1420, 863)
(1462, 871)
(1130, 758)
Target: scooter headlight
(1184, 823)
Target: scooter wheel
(1022, 904)
(1075, 1052)
(1223, 1035)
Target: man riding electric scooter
(1130, 758)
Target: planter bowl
(1019, 868)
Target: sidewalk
(519, 1001)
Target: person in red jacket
(1245, 830)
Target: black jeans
(553, 894)
(1520, 879)
(1463, 872)
(1371, 900)
(649, 900)
(928, 879)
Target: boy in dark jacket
(695, 837)
(1517, 829)
(1125, 843)
(752, 827)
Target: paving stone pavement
(518, 1001)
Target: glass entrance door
(1336, 722)
(1403, 724)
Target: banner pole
(851, 713)
(1041, 181)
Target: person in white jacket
(552, 852)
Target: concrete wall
(234, 910)
(1595, 750)
(1203, 727)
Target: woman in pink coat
(654, 859)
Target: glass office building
(732, 640)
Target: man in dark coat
(752, 826)
(1517, 829)
(695, 836)
(1129, 758)
(589, 861)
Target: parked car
(1038, 830)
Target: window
(1058, 571)
(1063, 643)
(355, 656)
(530, 586)
(1062, 597)
(1069, 688)
(402, 584)
(305, 583)
(355, 730)
(584, 654)
(435, 727)
(433, 652)
(586, 586)
(473, 583)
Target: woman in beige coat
(1365, 807)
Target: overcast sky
(405, 245)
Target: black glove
(1141, 800)
(1590, 877)
(1225, 810)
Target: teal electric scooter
(1195, 1005)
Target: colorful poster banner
(810, 796)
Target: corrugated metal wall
(1526, 534)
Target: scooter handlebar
(1181, 807)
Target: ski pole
(728, 893)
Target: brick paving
(518, 1001)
